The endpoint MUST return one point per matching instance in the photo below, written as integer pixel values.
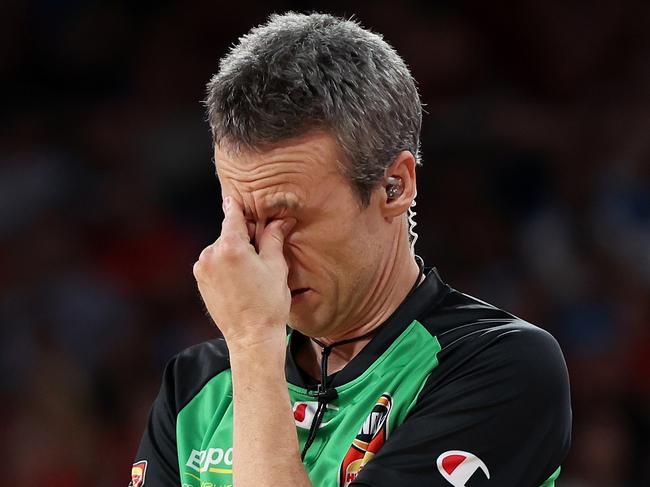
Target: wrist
(268, 349)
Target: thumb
(272, 240)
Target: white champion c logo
(457, 467)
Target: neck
(390, 288)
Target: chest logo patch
(138, 472)
(457, 467)
(304, 412)
(369, 440)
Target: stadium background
(536, 145)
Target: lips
(298, 291)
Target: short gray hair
(298, 73)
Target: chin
(309, 316)
(307, 325)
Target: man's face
(336, 251)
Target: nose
(258, 230)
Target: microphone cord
(324, 394)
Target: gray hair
(298, 73)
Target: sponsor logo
(457, 467)
(138, 472)
(369, 440)
(304, 412)
(215, 460)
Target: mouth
(299, 292)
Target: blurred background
(534, 195)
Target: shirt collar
(422, 299)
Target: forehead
(284, 174)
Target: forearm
(265, 443)
(230, 273)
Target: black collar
(421, 299)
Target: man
(389, 377)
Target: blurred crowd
(534, 194)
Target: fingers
(272, 241)
(251, 231)
(235, 228)
(234, 223)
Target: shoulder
(203, 356)
(498, 389)
(486, 348)
(188, 371)
(469, 324)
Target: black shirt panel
(195, 366)
(499, 397)
(158, 444)
(185, 375)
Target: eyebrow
(283, 202)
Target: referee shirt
(450, 391)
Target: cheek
(313, 248)
(323, 238)
(330, 248)
(332, 240)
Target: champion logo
(457, 467)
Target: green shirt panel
(365, 413)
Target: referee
(389, 377)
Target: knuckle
(206, 253)
(197, 270)
(230, 248)
(202, 265)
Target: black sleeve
(156, 462)
(495, 412)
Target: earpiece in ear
(393, 187)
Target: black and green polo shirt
(450, 391)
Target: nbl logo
(138, 472)
(369, 440)
(457, 467)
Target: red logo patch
(371, 438)
(299, 412)
(304, 412)
(457, 467)
(138, 472)
(449, 463)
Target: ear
(402, 169)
